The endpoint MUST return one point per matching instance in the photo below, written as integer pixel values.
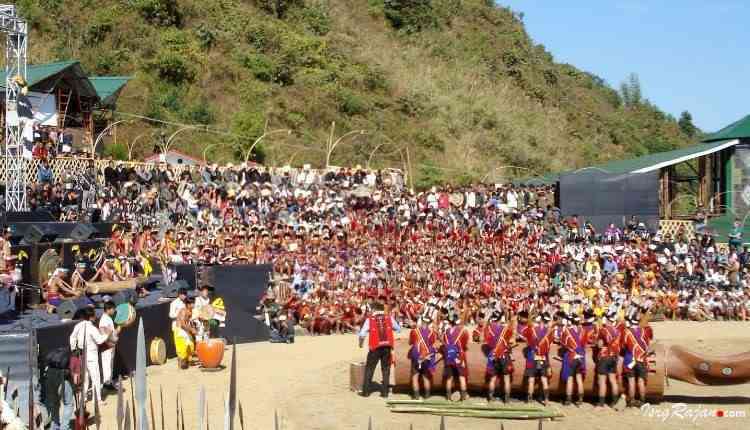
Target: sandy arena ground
(308, 384)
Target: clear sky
(690, 55)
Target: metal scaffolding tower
(15, 77)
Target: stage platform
(241, 287)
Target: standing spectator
(85, 334)
(44, 173)
(107, 327)
(58, 388)
(735, 235)
(40, 151)
(110, 175)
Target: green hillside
(458, 82)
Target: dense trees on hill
(457, 83)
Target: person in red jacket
(499, 338)
(636, 339)
(379, 327)
(538, 336)
(455, 344)
(574, 339)
(608, 338)
(422, 354)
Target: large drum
(158, 351)
(478, 364)
(210, 353)
(125, 314)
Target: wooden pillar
(88, 127)
(670, 189)
(704, 181)
(85, 106)
(665, 209)
(60, 109)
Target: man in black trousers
(379, 327)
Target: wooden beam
(685, 178)
(670, 190)
(663, 196)
(704, 174)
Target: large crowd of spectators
(342, 239)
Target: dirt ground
(307, 384)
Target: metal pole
(98, 139)
(330, 143)
(166, 146)
(369, 159)
(411, 177)
(15, 77)
(131, 145)
(263, 136)
(340, 139)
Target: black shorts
(577, 368)
(606, 366)
(452, 372)
(425, 369)
(537, 370)
(500, 366)
(638, 371)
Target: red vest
(381, 332)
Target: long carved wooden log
(688, 366)
(478, 365)
(111, 287)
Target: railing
(673, 227)
(62, 166)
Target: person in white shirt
(86, 334)
(202, 300)
(177, 305)
(107, 327)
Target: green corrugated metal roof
(736, 130)
(38, 72)
(714, 142)
(651, 160)
(108, 87)
(548, 179)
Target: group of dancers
(611, 339)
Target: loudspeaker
(171, 289)
(40, 215)
(39, 234)
(151, 283)
(82, 232)
(68, 308)
(125, 296)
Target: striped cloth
(283, 293)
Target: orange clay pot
(210, 353)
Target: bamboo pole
(153, 415)
(453, 405)
(467, 413)
(120, 406)
(132, 400)
(161, 397)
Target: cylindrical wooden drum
(478, 367)
(210, 353)
(158, 351)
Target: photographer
(58, 388)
